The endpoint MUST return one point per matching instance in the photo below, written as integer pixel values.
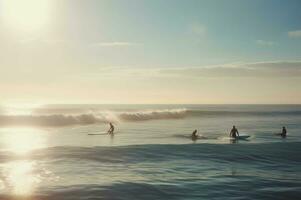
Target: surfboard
(104, 133)
(241, 137)
(198, 137)
(190, 137)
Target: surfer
(111, 129)
(194, 136)
(283, 133)
(234, 132)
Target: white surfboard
(102, 133)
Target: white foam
(89, 118)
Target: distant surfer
(234, 132)
(194, 135)
(111, 129)
(283, 133)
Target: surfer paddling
(111, 129)
(234, 132)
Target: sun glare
(20, 108)
(26, 15)
(23, 140)
(20, 177)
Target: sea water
(46, 152)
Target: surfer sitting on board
(111, 130)
(283, 134)
(234, 132)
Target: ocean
(55, 152)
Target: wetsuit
(111, 130)
(233, 132)
(283, 134)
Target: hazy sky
(150, 51)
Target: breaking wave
(49, 120)
(95, 117)
(89, 118)
(150, 115)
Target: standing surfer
(111, 129)
(234, 132)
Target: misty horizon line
(45, 104)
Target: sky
(150, 51)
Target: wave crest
(49, 120)
(87, 119)
(157, 114)
(100, 116)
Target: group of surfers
(233, 133)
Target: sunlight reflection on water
(23, 140)
(20, 177)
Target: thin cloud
(272, 69)
(198, 29)
(259, 69)
(265, 43)
(115, 44)
(294, 34)
(61, 41)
